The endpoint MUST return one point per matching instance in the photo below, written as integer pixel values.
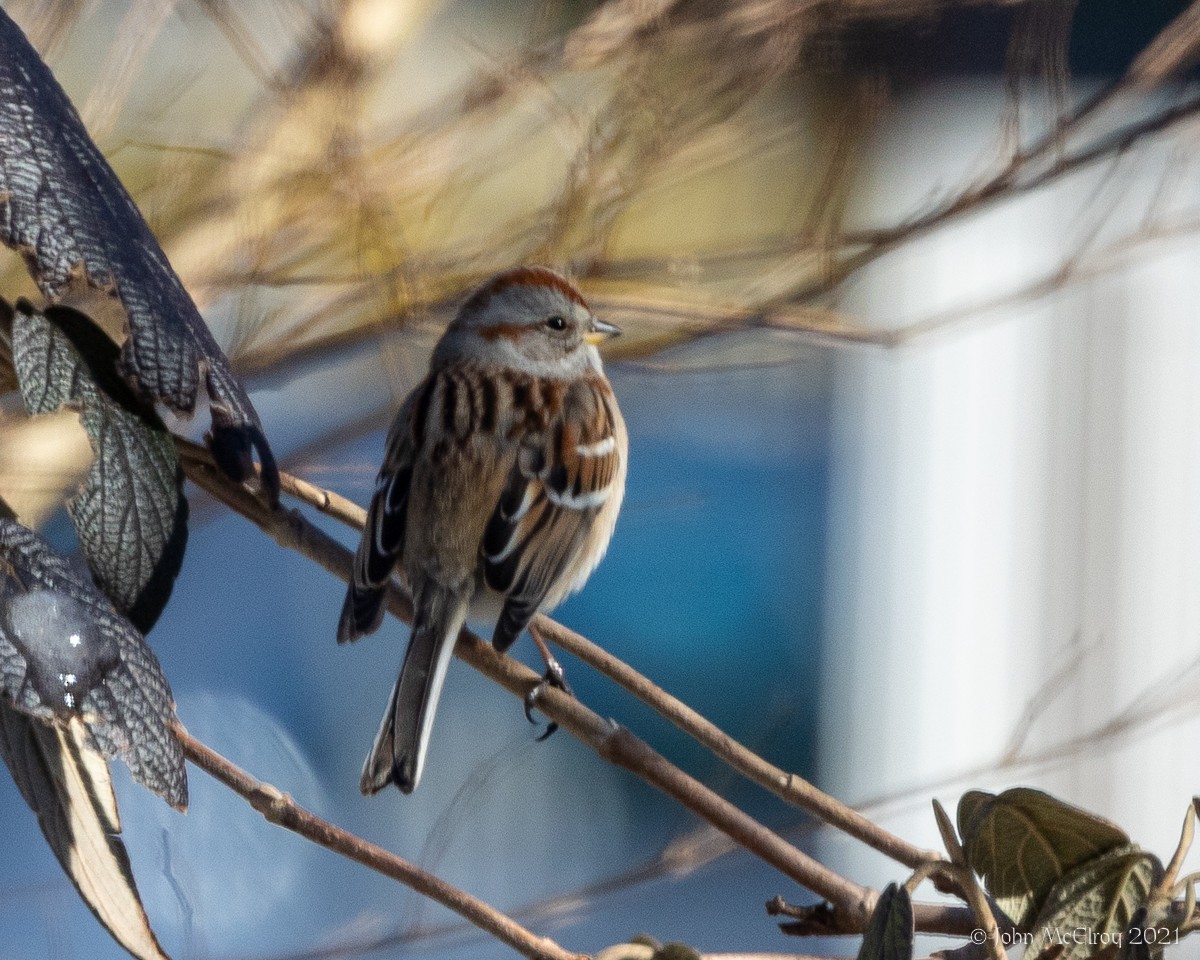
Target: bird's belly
(485, 611)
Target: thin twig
(788, 786)
(963, 878)
(1027, 170)
(1171, 52)
(949, 837)
(850, 904)
(825, 920)
(279, 808)
(329, 503)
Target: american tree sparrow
(501, 483)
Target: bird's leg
(553, 677)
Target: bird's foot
(554, 677)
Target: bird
(503, 475)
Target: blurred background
(910, 377)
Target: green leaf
(1091, 909)
(130, 513)
(890, 933)
(969, 804)
(645, 947)
(1023, 841)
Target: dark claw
(554, 677)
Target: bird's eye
(556, 323)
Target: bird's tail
(398, 754)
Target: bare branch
(788, 786)
(825, 920)
(852, 903)
(281, 809)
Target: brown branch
(1013, 179)
(329, 503)
(279, 808)
(765, 956)
(852, 903)
(825, 920)
(790, 787)
(1031, 168)
(1008, 180)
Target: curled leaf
(130, 513)
(1023, 841)
(890, 932)
(66, 656)
(67, 785)
(1091, 909)
(65, 211)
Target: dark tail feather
(362, 613)
(398, 754)
(514, 617)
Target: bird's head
(529, 319)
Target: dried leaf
(1091, 909)
(65, 211)
(1023, 841)
(66, 655)
(130, 513)
(67, 785)
(890, 932)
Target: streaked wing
(383, 536)
(388, 513)
(561, 480)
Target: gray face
(535, 329)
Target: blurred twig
(331, 224)
(1174, 50)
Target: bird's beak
(601, 331)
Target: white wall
(1017, 489)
